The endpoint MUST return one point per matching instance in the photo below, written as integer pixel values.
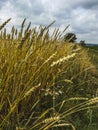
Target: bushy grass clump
(39, 77)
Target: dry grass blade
(81, 106)
(23, 40)
(72, 99)
(64, 125)
(64, 31)
(31, 90)
(38, 122)
(23, 23)
(28, 27)
(22, 26)
(61, 60)
(50, 24)
(2, 26)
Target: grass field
(46, 83)
(93, 52)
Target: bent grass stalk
(3, 25)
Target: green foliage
(70, 37)
(82, 43)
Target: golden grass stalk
(64, 125)
(23, 40)
(31, 90)
(3, 25)
(61, 60)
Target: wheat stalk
(61, 60)
(2, 26)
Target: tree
(82, 43)
(70, 37)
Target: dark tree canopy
(82, 43)
(70, 37)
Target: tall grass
(39, 78)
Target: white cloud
(81, 14)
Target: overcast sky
(82, 15)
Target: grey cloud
(90, 4)
(87, 4)
(2, 3)
(80, 14)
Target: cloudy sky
(82, 15)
